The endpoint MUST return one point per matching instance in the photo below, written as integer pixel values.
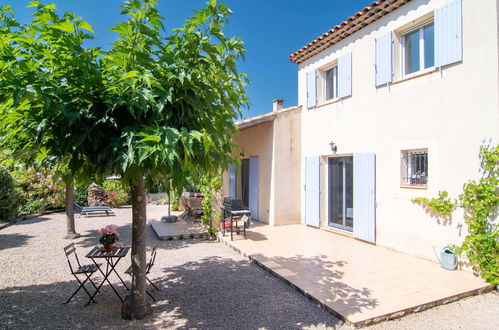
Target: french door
(340, 188)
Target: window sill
(421, 73)
(414, 186)
(328, 102)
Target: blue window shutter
(311, 88)
(345, 75)
(364, 190)
(232, 181)
(448, 33)
(312, 191)
(253, 188)
(383, 65)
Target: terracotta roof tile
(351, 25)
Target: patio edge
(369, 321)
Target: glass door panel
(335, 191)
(340, 187)
(349, 192)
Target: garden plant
(480, 202)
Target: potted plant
(108, 236)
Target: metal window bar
(417, 167)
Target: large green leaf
(64, 26)
(85, 25)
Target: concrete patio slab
(359, 282)
(181, 229)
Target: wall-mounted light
(333, 147)
(241, 154)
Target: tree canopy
(155, 105)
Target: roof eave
(346, 28)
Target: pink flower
(109, 230)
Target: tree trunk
(135, 307)
(70, 213)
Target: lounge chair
(196, 208)
(91, 209)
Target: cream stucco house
(394, 103)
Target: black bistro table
(112, 259)
(233, 215)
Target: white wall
(450, 112)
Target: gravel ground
(204, 285)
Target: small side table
(112, 259)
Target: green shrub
(113, 185)
(81, 194)
(116, 198)
(40, 190)
(209, 186)
(9, 197)
(174, 195)
(117, 194)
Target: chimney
(277, 104)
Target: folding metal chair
(196, 208)
(86, 270)
(187, 208)
(149, 265)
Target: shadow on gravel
(90, 238)
(220, 293)
(9, 241)
(214, 293)
(32, 221)
(41, 307)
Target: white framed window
(418, 49)
(414, 167)
(330, 86)
(329, 82)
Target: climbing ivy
(210, 184)
(442, 205)
(480, 200)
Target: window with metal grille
(414, 167)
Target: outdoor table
(233, 213)
(112, 259)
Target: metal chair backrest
(196, 203)
(184, 203)
(153, 258)
(69, 250)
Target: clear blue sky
(271, 30)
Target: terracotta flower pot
(109, 247)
